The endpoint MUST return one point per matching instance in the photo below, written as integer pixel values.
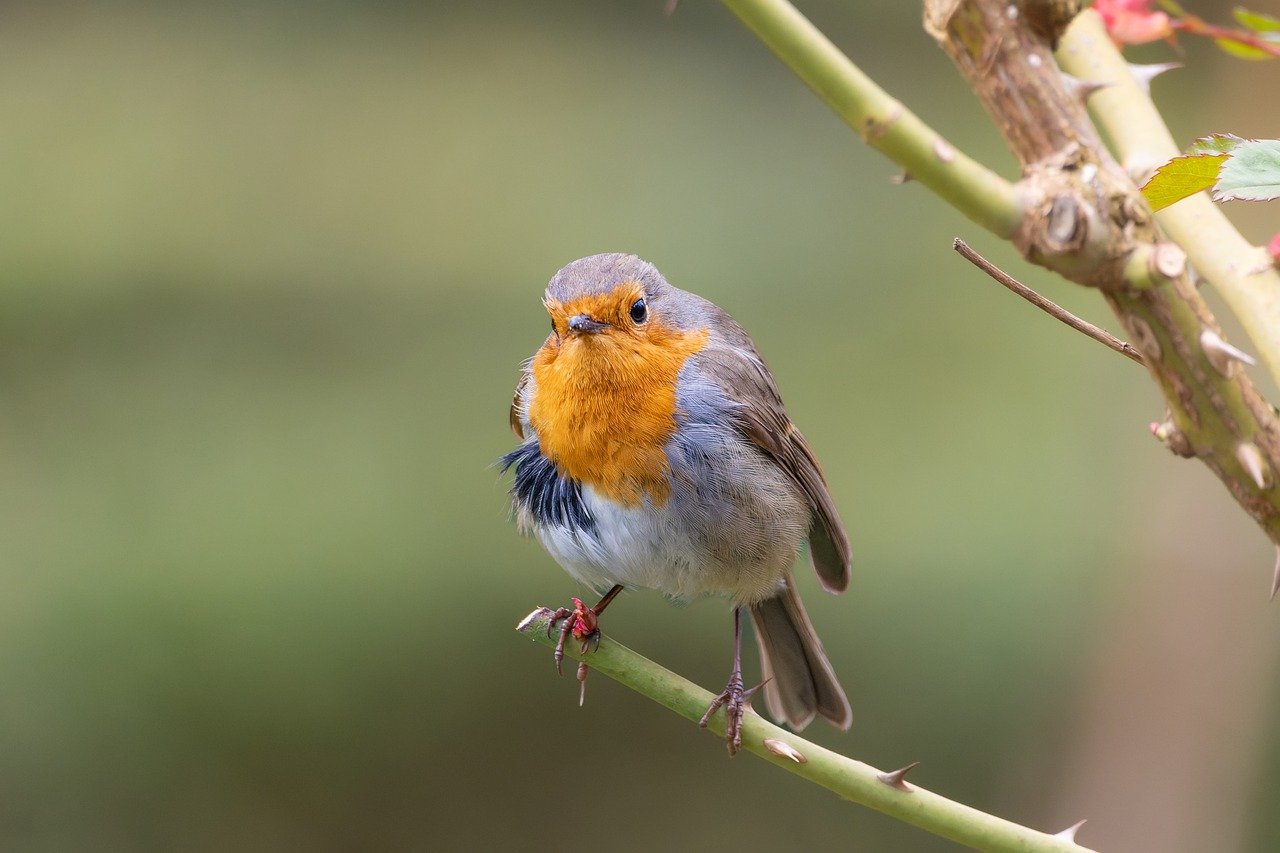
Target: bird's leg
(735, 701)
(583, 623)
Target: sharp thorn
(895, 779)
(1221, 354)
(1275, 578)
(900, 178)
(785, 750)
(1250, 459)
(1082, 89)
(1144, 74)
(1069, 834)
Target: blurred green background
(268, 272)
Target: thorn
(748, 695)
(1082, 90)
(1250, 459)
(900, 179)
(1220, 353)
(786, 750)
(1144, 74)
(895, 779)
(1275, 578)
(671, 7)
(1069, 834)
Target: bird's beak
(583, 324)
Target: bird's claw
(736, 703)
(583, 623)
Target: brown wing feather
(516, 426)
(742, 374)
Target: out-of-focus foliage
(268, 272)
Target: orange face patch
(606, 401)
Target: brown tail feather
(800, 681)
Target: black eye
(639, 311)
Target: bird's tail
(800, 682)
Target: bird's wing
(517, 425)
(760, 416)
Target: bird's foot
(583, 623)
(736, 703)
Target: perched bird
(656, 453)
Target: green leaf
(1172, 8)
(1182, 177)
(1218, 143)
(1240, 50)
(1251, 173)
(1257, 21)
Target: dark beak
(583, 324)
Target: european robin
(656, 453)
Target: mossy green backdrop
(267, 273)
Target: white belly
(658, 548)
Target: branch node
(1047, 18)
(1145, 337)
(1169, 260)
(896, 778)
(1065, 228)
(1168, 434)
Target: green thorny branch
(852, 780)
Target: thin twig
(1053, 309)
(851, 779)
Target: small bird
(656, 453)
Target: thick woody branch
(1092, 226)
(863, 784)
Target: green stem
(881, 120)
(851, 779)
(1241, 273)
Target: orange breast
(605, 407)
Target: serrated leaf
(1218, 143)
(1257, 21)
(1182, 177)
(1251, 173)
(1241, 50)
